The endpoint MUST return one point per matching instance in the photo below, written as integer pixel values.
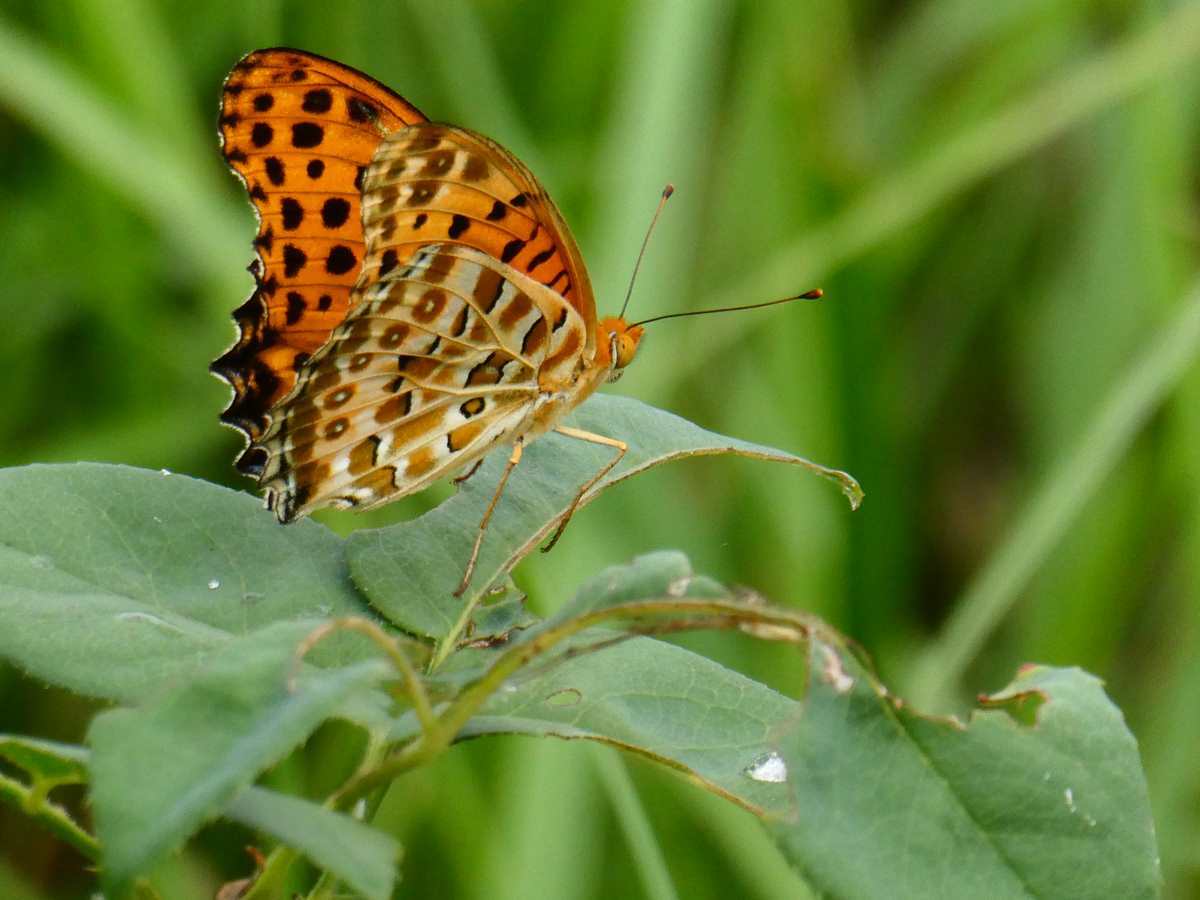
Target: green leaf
(655, 699)
(410, 570)
(115, 580)
(162, 771)
(48, 763)
(894, 804)
(361, 856)
(502, 612)
(864, 795)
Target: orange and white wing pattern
(472, 316)
(433, 182)
(436, 365)
(419, 297)
(299, 131)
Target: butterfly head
(618, 344)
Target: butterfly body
(419, 300)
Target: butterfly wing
(437, 364)
(440, 183)
(299, 130)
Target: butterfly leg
(591, 437)
(513, 459)
(459, 479)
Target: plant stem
(413, 685)
(271, 881)
(447, 644)
(51, 815)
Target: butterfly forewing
(300, 131)
(437, 363)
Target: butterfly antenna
(815, 294)
(662, 201)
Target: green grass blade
(901, 198)
(640, 839)
(58, 103)
(1056, 504)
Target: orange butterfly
(419, 299)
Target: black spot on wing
(295, 307)
(387, 262)
(307, 134)
(294, 259)
(261, 134)
(361, 110)
(539, 259)
(334, 212)
(275, 173)
(318, 100)
(293, 213)
(511, 249)
(341, 260)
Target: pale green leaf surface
(410, 570)
(893, 804)
(114, 580)
(161, 771)
(657, 700)
(363, 857)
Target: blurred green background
(1000, 201)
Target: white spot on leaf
(768, 768)
(679, 586)
(213, 584)
(148, 619)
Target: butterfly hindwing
(437, 363)
(439, 183)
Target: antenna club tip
(668, 191)
(814, 294)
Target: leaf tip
(1022, 706)
(854, 493)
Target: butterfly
(419, 300)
